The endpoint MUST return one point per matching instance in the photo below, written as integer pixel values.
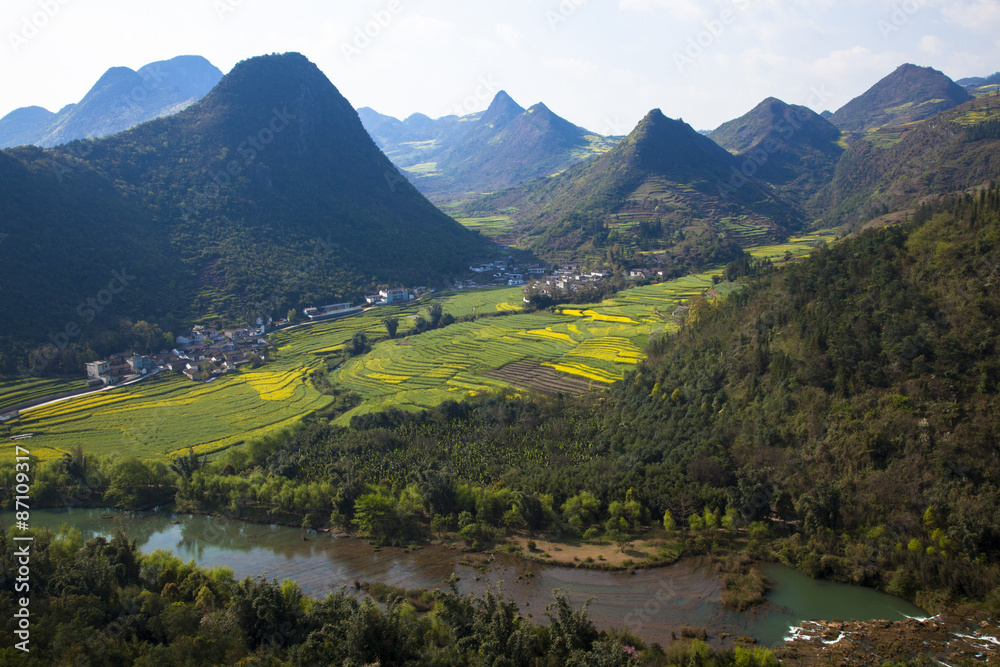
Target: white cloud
(931, 44)
(979, 15)
(425, 29)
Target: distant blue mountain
(121, 99)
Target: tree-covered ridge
(266, 195)
(864, 384)
(895, 168)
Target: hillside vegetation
(909, 94)
(663, 186)
(895, 168)
(266, 195)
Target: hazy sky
(600, 63)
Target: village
(205, 353)
(202, 355)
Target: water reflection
(650, 603)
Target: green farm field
(163, 416)
(159, 418)
(16, 391)
(599, 343)
(495, 227)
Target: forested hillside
(265, 195)
(894, 168)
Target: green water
(796, 597)
(651, 603)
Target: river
(651, 603)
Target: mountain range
(268, 193)
(664, 183)
(121, 98)
(457, 157)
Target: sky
(602, 64)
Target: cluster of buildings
(569, 278)
(225, 351)
(504, 272)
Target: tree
(132, 485)
(359, 342)
(620, 537)
(731, 519)
(391, 324)
(434, 313)
(581, 509)
(669, 524)
(292, 315)
(375, 515)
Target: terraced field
(591, 344)
(798, 246)
(16, 391)
(545, 380)
(494, 226)
(159, 417)
(572, 349)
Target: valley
(163, 417)
(744, 383)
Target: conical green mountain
(267, 194)
(663, 179)
(790, 146)
(909, 94)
